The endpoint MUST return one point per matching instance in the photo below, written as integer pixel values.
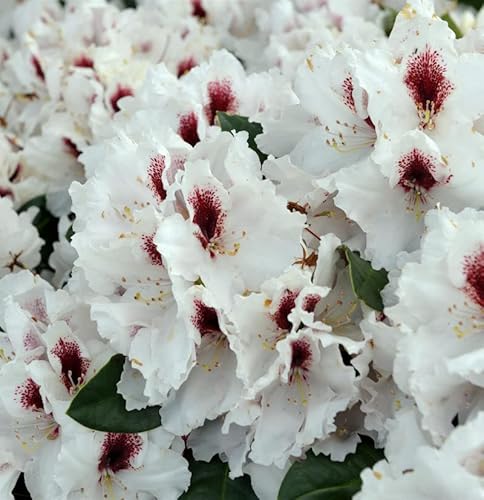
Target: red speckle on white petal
(284, 308)
(348, 98)
(37, 310)
(208, 215)
(188, 128)
(220, 98)
(155, 171)
(73, 365)
(149, 246)
(118, 451)
(28, 396)
(427, 85)
(474, 273)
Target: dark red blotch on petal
(155, 171)
(205, 319)
(83, 61)
(474, 272)
(198, 10)
(208, 214)
(149, 246)
(286, 305)
(426, 81)
(185, 66)
(188, 128)
(28, 395)
(121, 91)
(416, 171)
(73, 365)
(70, 147)
(118, 450)
(220, 98)
(38, 68)
(310, 302)
(301, 357)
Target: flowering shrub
(242, 249)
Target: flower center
(117, 451)
(474, 272)
(73, 366)
(427, 85)
(220, 98)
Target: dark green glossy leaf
(98, 406)
(389, 20)
(46, 225)
(367, 283)
(318, 478)
(477, 4)
(235, 122)
(69, 233)
(210, 481)
(447, 17)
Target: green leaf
(389, 20)
(318, 478)
(210, 481)
(477, 4)
(448, 19)
(69, 233)
(366, 282)
(46, 225)
(235, 122)
(98, 406)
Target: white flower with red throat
(392, 198)
(109, 465)
(312, 385)
(130, 289)
(330, 128)
(441, 316)
(20, 248)
(420, 81)
(212, 387)
(223, 231)
(262, 320)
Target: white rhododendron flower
(242, 249)
(20, 247)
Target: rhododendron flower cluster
(244, 237)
